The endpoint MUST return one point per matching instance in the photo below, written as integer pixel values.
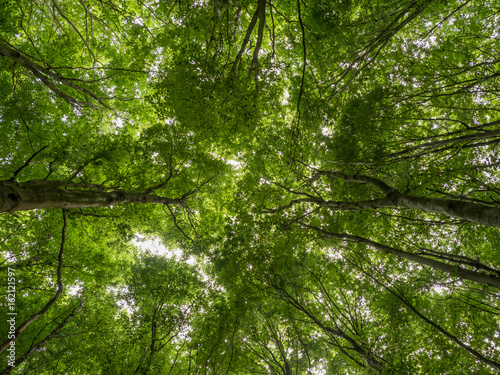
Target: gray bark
(35, 194)
(475, 212)
(456, 271)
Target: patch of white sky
(118, 122)
(232, 162)
(159, 54)
(123, 303)
(153, 245)
(285, 98)
(320, 368)
(326, 131)
(76, 288)
(138, 21)
(334, 253)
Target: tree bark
(50, 79)
(35, 194)
(40, 344)
(53, 300)
(473, 212)
(459, 272)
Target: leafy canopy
(320, 180)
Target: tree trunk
(35, 194)
(40, 344)
(473, 212)
(459, 272)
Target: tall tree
(322, 177)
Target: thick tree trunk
(475, 212)
(35, 194)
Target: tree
(323, 177)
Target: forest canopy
(249, 187)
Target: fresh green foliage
(217, 187)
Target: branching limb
(34, 347)
(380, 41)
(246, 40)
(291, 204)
(191, 192)
(273, 34)
(295, 192)
(304, 61)
(74, 28)
(459, 272)
(397, 293)
(175, 222)
(261, 9)
(366, 354)
(43, 74)
(49, 304)
(437, 145)
(26, 163)
(461, 259)
(465, 199)
(160, 185)
(382, 186)
(80, 168)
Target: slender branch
(26, 163)
(261, 9)
(49, 304)
(43, 74)
(338, 333)
(246, 40)
(453, 270)
(382, 186)
(304, 61)
(380, 41)
(40, 344)
(160, 185)
(445, 333)
(175, 222)
(74, 28)
(80, 168)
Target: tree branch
(48, 305)
(453, 270)
(26, 163)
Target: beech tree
(250, 187)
